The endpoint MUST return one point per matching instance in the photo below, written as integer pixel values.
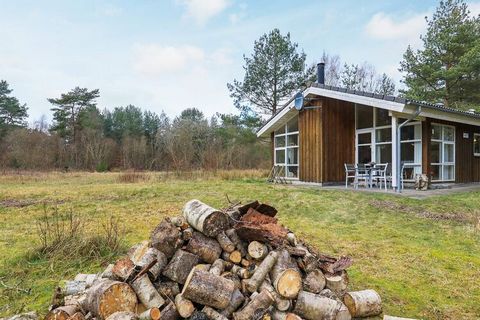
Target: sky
(168, 55)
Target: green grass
(422, 267)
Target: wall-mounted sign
(466, 135)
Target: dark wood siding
(338, 138)
(467, 166)
(310, 136)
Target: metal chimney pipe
(321, 73)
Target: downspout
(399, 149)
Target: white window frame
(477, 136)
(444, 142)
(416, 166)
(285, 164)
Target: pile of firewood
(237, 263)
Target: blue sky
(173, 54)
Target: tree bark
(365, 303)
(185, 307)
(207, 289)
(62, 313)
(286, 278)
(167, 288)
(256, 307)
(169, 312)
(147, 293)
(204, 218)
(123, 269)
(257, 250)
(166, 238)
(107, 297)
(180, 266)
(213, 314)
(206, 248)
(217, 267)
(314, 282)
(142, 255)
(235, 302)
(312, 307)
(261, 272)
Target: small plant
(101, 167)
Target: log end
(118, 297)
(289, 283)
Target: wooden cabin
(335, 126)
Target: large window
(411, 149)
(442, 152)
(476, 144)
(286, 148)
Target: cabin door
(364, 146)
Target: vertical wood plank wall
(327, 140)
(338, 138)
(310, 136)
(467, 166)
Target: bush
(101, 167)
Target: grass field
(422, 256)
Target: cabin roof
(392, 103)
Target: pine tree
(12, 113)
(447, 69)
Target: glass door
(364, 150)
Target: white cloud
(203, 10)
(383, 26)
(474, 8)
(222, 57)
(153, 59)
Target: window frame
(444, 142)
(476, 135)
(286, 147)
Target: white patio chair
(379, 175)
(363, 174)
(350, 173)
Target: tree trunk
(286, 278)
(169, 312)
(150, 314)
(180, 266)
(204, 218)
(185, 307)
(147, 293)
(206, 248)
(312, 307)
(261, 272)
(107, 297)
(235, 303)
(365, 303)
(166, 238)
(213, 314)
(62, 313)
(256, 307)
(207, 289)
(314, 282)
(257, 250)
(225, 242)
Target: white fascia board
(447, 116)
(369, 101)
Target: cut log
(235, 256)
(256, 308)
(257, 250)
(107, 273)
(266, 210)
(166, 238)
(259, 227)
(213, 314)
(217, 267)
(243, 273)
(203, 267)
(179, 222)
(147, 293)
(280, 315)
(185, 307)
(246, 263)
(338, 283)
(343, 313)
(292, 239)
(235, 302)
(74, 287)
(386, 317)
(187, 234)
(77, 316)
(88, 278)
(235, 278)
(312, 307)
(123, 269)
(286, 278)
(198, 315)
(167, 288)
(225, 242)
(365, 303)
(180, 266)
(206, 248)
(24, 316)
(169, 312)
(314, 282)
(106, 297)
(142, 255)
(261, 272)
(76, 299)
(281, 303)
(207, 289)
(232, 234)
(122, 315)
(62, 313)
(150, 314)
(204, 218)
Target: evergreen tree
(273, 73)
(12, 113)
(447, 69)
